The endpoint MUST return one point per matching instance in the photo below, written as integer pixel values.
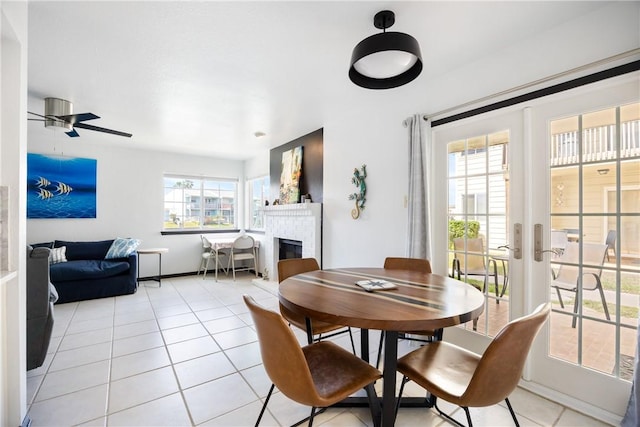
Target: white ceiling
(203, 77)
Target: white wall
(130, 198)
(378, 140)
(13, 136)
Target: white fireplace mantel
(300, 221)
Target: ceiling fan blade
(58, 119)
(72, 133)
(77, 118)
(99, 129)
(36, 114)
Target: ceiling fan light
(385, 65)
(385, 60)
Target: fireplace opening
(290, 249)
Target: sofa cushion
(85, 250)
(42, 245)
(86, 269)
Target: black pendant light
(385, 60)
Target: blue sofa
(86, 274)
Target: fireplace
(289, 249)
(300, 222)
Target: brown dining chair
(317, 375)
(291, 267)
(470, 380)
(412, 264)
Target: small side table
(159, 252)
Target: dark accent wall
(311, 178)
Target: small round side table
(159, 252)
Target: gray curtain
(632, 417)
(418, 239)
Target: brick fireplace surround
(300, 221)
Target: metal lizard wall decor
(359, 197)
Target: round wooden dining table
(420, 301)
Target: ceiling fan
(58, 113)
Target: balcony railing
(598, 144)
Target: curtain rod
(623, 69)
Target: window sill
(199, 231)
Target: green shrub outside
(460, 228)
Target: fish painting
(63, 188)
(60, 186)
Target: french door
(566, 166)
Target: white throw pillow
(58, 255)
(122, 248)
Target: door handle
(538, 251)
(517, 242)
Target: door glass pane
(599, 136)
(478, 208)
(595, 234)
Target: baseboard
(188, 273)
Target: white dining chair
(206, 255)
(243, 249)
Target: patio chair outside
(568, 276)
(473, 262)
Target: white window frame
(255, 206)
(168, 212)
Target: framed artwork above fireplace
(290, 176)
(311, 178)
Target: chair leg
(353, 346)
(206, 267)
(225, 269)
(265, 404)
(604, 303)
(468, 414)
(559, 297)
(229, 263)
(374, 405)
(405, 380)
(233, 267)
(451, 420)
(313, 412)
(309, 330)
(513, 414)
(380, 349)
(492, 263)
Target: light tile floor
(186, 354)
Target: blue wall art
(60, 187)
